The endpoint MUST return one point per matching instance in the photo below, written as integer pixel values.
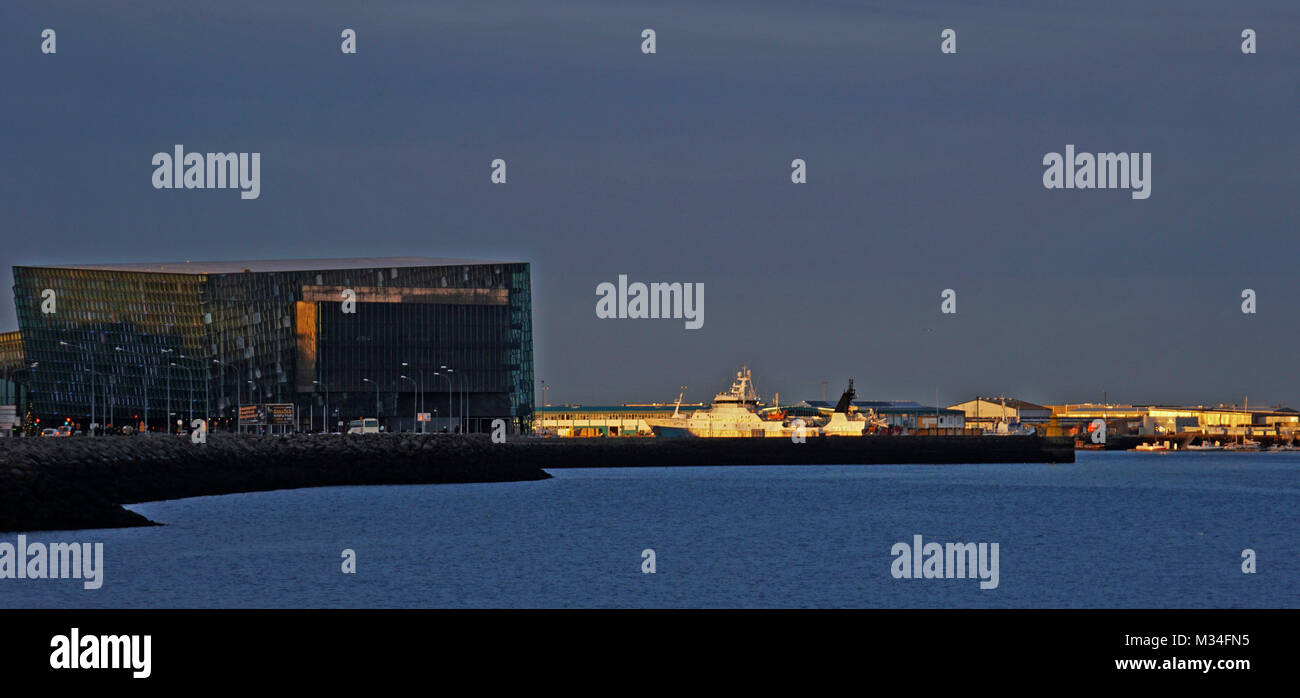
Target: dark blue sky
(924, 173)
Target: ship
(734, 413)
(848, 420)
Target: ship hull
(666, 432)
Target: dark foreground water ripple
(1112, 530)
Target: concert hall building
(340, 339)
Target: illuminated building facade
(342, 339)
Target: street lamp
(251, 387)
(450, 391)
(189, 374)
(420, 372)
(414, 407)
(144, 387)
(324, 417)
(449, 413)
(460, 381)
(238, 393)
(168, 412)
(90, 354)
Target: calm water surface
(1112, 530)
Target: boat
(1206, 446)
(848, 420)
(733, 414)
(1152, 447)
(1245, 445)
(1288, 446)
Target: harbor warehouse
(415, 342)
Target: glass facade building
(13, 379)
(126, 344)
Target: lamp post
(450, 392)
(414, 407)
(238, 393)
(144, 386)
(168, 411)
(91, 354)
(420, 373)
(189, 374)
(251, 387)
(207, 397)
(449, 413)
(102, 427)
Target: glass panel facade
(13, 372)
(145, 343)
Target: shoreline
(75, 483)
(82, 482)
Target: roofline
(262, 266)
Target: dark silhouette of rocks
(81, 482)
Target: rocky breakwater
(81, 482)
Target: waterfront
(1111, 530)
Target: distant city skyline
(924, 173)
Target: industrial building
(603, 420)
(1153, 420)
(991, 413)
(396, 338)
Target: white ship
(734, 414)
(847, 420)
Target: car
(65, 430)
(49, 432)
